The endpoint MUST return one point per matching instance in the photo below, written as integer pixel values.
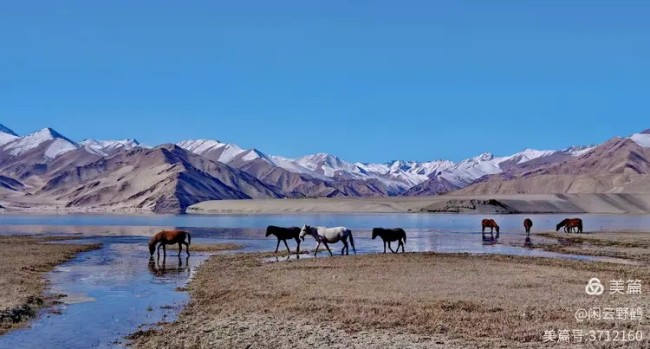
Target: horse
(327, 236)
(283, 234)
(170, 237)
(489, 223)
(389, 235)
(527, 225)
(569, 224)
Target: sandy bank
(413, 300)
(521, 203)
(25, 260)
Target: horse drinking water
(528, 223)
(569, 225)
(489, 223)
(325, 236)
(389, 235)
(283, 234)
(170, 237)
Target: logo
(594, 287)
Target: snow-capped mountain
(109, 147)
(47, 156)
(6, 135)
(642, 139)
(213, 149)
(53, 142)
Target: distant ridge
(48, 170)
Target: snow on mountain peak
(6, 135)
(7, 130)
(104, 148)
(216, 150)
(59, 144)
(642, 139)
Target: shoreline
(23, 275)
(242, 299)
(608, 203)
(450, 203)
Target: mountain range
(46, 171)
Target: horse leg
(165, 250)
(328, 249)
(287, 246)
(316, 251)
(159, 246)
(401, 242)
(384, 246)
(277, 246)
(390, 248)
(180, 249)
(345, 247)
(187, 248)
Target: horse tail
(404, 235)
(352, 241)
(189, 239)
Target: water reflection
(159, 266)
(528, 243)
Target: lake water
(116, 290)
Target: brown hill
(166, 179)
(617, 166)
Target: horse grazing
(283, 234)
(327, 236)
(489, 223)
(389, 235)
(569, 225)
(170, 237)
(527, 225)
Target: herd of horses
(326, 236)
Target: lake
(117, 289)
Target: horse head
(375, 233)
(560, 225)
(268, 231)
(152, 246)
(304, 231)
(496, 226)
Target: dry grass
(626, 245)
(25, 260)
(425, 300)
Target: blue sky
(366, 80)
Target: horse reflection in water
(489, 240)
(160, 268)
(528, 243)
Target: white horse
(327, 236)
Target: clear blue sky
(366, 80)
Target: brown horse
(490, 223)
(527, 225)
(170, 237)
(569, 225)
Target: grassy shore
(24, 262)
(414, 300)
(633, 246)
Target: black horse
(283, 234)
(389, 235)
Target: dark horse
(527, 225)
(569, 225)
(389, 235)
(489, 223)
(170, 237)
(283, 234)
